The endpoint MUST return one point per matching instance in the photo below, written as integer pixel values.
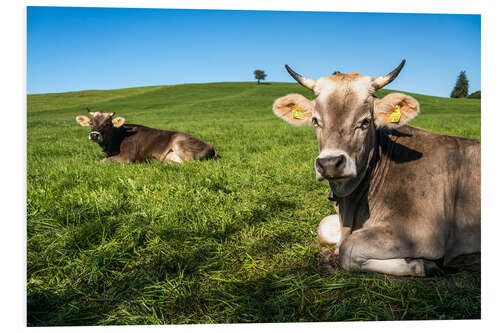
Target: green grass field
(231, 240)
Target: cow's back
(157, 143)
(145, 142)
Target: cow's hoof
(327, 254)
(329, 259)
(330, 268)
(431, 269)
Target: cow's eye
(315, 122)
(365, 122)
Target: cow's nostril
(94, 135)
(319, 165)
(339, 162)
(331, 166)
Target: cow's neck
(354, 209)
(112, 145)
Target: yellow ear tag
(396, 115)
(297, 113)
(85, 122)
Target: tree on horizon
(461, 89)
(259, 75)
(475, 94)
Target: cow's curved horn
(112, 114)
(382, 81)
(306, 82)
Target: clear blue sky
(71, 48)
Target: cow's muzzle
(335, 166)
(95, 136)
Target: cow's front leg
(331, 232)
(115, 158)
(378, 249)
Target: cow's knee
(329, 230)
(350, 256)
(355, 251)
(172, 156)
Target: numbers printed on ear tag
(396, 115)
(297, 113)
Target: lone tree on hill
(259, 75)
(461, 87)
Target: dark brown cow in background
(406, 197)
(136, 143)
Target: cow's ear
(294, 109)
(118, 121)
(395, 110)
(83, 120)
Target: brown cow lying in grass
(136, 143)
(407, 199)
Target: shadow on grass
(182, 252)
(177, 275)
(293, 294)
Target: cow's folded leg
(115, 158)
(380, 250)
(402, 267)
(171, 156)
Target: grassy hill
(230, 240)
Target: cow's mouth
(338, 180)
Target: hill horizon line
(199, 83)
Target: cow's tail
(214, 154)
